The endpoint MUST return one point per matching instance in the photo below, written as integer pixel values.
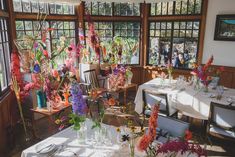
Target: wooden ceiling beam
(115, 18)
(33, 16)
(174, 18)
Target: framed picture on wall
(225, 28)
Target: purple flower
(78, 102)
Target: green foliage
(97, 122)
(76, 121)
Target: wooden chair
(150, 98)
(92, 79)
(221, 122)
(167, 123)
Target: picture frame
(225, 27)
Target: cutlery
(39, 151)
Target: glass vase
(82, 133)
(170, 78)
(100, 135)
(132, 147)
(196, 83)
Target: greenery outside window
(183, 7)
(113, 9)
(127, 32)
(27, 6)
(59, 29)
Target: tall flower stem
(16, 89)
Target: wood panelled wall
(144, 74)
(8, 118)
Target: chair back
(91, 78)
(174, 127)
(151, 98)
(222, 116)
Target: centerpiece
(78, 117)
(206, 75)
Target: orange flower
(144, 143)
(111, 102)
(94, 94)
(188, 135)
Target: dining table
(182, 96)
(68, 145)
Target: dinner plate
(45, 148)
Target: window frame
(118, 18)
(113, 34)
(178, 18)
(4, 15)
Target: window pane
(17, 5)
(180, 7)
(106, 9)
(4, 56)
(28, 6)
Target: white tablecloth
(68, 138)
(183, 98)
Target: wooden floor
(218, 148)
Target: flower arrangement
(16, 89)
(202, 73)
(128, 135)
(172, 148)
(46, 79)
(147, 139)
(78, 105)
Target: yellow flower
(133, 129)
(57, 121)
(118, 130)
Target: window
(27, 6)
(4, 51)
(3, 5)
(127, 32)
(110, 31)
(30, 28)
(113, 9)
(174, 41)
(99, 8)
(183, 7)
(60, 28)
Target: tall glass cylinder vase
(170, 78)
(132, 147)
(82, 133)
(196, 83)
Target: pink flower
(45, 53)
(55, 73)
